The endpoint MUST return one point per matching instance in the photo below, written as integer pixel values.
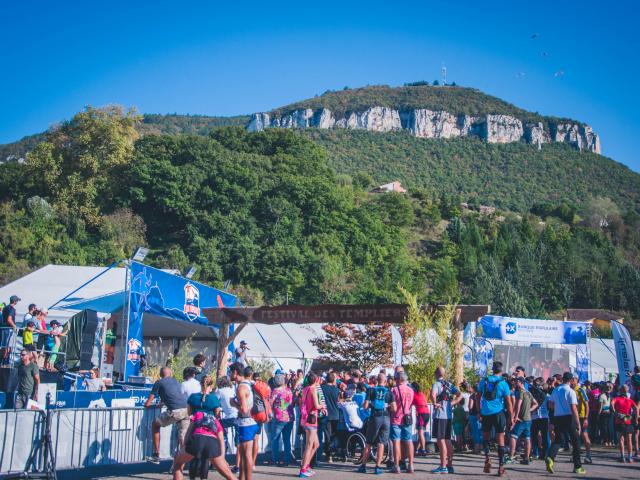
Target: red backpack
(261, 410)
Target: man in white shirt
(190, 385)
(566, 421)
(240, 354)
(28, 317)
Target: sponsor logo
(133, 350)
(511, 328)
(191, 301)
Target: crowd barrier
(85, 437)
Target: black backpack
(445, 394)
(490, 391)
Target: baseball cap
(280, 372)
(54, 322)
(242, 342)
(14, 298)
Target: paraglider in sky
(544, 54)
(520, 75)
(559, 73)
(534, 36)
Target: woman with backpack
(205, 438)
(310, 408)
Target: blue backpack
(379, 398)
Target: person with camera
(401, 422)
(444, 396)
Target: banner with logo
(531, 330)
(582, 362)
(624, 351)
(484, 355)
(166, 295)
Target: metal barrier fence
(85, 437)
(20, 432)
(81, 437)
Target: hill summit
(428, 112)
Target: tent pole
(125, 317)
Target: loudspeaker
(88, 340)
(8, 379)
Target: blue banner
(582, 362)
(531, 330)
(166, 295)
(484, 355)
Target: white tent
(287, 345)
(52, 283)
(603, 358)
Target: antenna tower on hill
(443, 73)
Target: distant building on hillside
(390, 187)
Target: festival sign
(532, 330)
(165, 295)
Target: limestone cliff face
(427, 123)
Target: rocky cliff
(435, 124)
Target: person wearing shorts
(248, 428)
(495, 397)
(206, 443)
(310, 408)
(422, 417)
(444, 396)
(521, 420)
(625, 412)
(170, 393)
(378, 424)
(401, 422)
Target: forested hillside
(270, 212)
(512, 176)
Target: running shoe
(306, 473)
(525, 461)
(629, 459)
(487, 466)
(155, 458)
(362, 469)
(588, 460)
(508, 460)
(235, 469)
(501, 470)
(549, 463)
(451, 470)
(579, 470)
(440, 470)
(394, 469)
(378, 471)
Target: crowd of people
(39, 337)
(308, 417)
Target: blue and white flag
(624, 351)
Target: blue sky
(200, 57)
